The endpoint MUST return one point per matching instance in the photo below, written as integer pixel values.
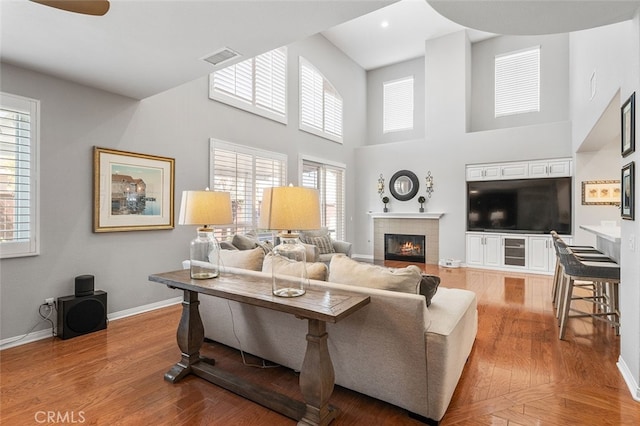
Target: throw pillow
(244, 242)
(429, 286)
(322, 232)
(344, 270)
(315, 270)
(244, 259)
(324, 244)
(227, 245)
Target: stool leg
(566, 306)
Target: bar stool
(583, 253)
(601, 277)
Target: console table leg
(317, 377)
(190, 336)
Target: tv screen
(528, 205)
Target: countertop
(610, 233)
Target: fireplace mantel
(408, 215)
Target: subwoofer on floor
(82, 315)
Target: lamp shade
(290, 208)
(205, 208)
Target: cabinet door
(475, 250)
(491, 172)
(492, 250)
(539, 253)
(514, 171)
(475, 173)
(559, 168)
(538, 169)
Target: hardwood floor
(518, 373)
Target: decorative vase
(385, 209)
(421, 209)
(205, 255)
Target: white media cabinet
(511, 250)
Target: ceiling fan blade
(86, 7)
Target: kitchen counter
(608, 239)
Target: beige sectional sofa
(395, 349)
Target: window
(328, 179)
(244, 172)
(397, 105)
(257, 85)
(19, 143)
(517, 82)
(320, 104)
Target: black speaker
(84, 285)
(82, 315)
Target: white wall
(178, 124)
(613, 53)
(375, 80)
(447, 148)
(602, 164)
(554, 80)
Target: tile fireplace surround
(427, 224)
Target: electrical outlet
(48, 301)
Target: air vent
(223, 55)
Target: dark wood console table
(318, 307)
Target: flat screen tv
(534, 206)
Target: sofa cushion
(345, 270)
(315, 270)
(429, 286)
(244, 259)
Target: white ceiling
(410, 24)
(143, 47)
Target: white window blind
(320, 104)
(244, 172)
(517, 82)
(329, 181)
(398, 105)
(18, 176)
(257, 85)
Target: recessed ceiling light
(384, 24)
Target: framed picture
(601, 192)
(628, 129)
(628, 191)
(132, 192)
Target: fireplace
(409, 248)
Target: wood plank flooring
(518, 373)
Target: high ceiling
(143, 47)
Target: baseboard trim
(629, 379)
(365, 257)
(144, 308)
(23, 339)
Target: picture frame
(132, 191)
(627, 201)
(601, 193)
(628, 126)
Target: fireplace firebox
(409, 248)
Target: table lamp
(288, 208)
(205, 208)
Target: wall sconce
(380, 185)
(429, 184)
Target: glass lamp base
(203, 275)
(288, 292)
